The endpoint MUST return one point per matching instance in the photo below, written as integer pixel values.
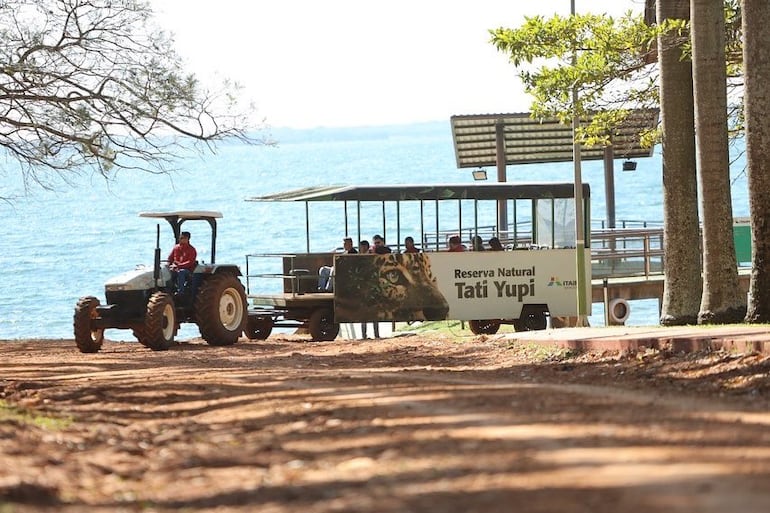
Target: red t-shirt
(184, 256)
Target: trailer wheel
(532, 318)
(88, 339)
(484, 327)
(258, 327)
(322, 325)
(159, 323)
(220, 309)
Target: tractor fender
(218, 269)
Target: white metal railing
(627, 252)
(636, 250)
(518, 237)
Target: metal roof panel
(529, 140)
(390, 192)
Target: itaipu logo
(567, 284)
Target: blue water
(58, 245)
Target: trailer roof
(485, 191)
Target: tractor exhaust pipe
(156, 264)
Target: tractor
(146, 300)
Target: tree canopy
(94, 84)
(605, 58)
(609, 60)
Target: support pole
(502, 205)
(609, 184)
(580, 243)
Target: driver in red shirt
(182, 260)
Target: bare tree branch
(91, 84)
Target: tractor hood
(136, 279)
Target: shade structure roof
(529, 140)
(484, 191)
(190, 215)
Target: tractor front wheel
(87, 338)
(220, 309)
(159, 323)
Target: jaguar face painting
(398, 287)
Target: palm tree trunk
(756, 72)
(722, 300)
(681, 232)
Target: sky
(314, 63)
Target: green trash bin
(742, 240)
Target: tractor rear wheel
(138, 332)
(159, 323)
(322, 326)
(87, 338)
(220, 309)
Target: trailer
(535, 277)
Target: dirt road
(423, 423)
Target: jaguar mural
(397, 287)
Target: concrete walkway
(736, 337)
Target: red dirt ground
(405, 424)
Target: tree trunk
(681, 232)
(722, 300)
(756, 72)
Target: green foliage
(10, 413)
(454, 328)
(604, 58)
(608, 62)
(733, 38)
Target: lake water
(63, 244)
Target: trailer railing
(293, 279)
(614, 254)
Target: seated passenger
(409, 246)
(379, 246)
(326, 272)
(347, 245)
(477, 243)
(325, 282)
(455, 244)
(495, 245)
